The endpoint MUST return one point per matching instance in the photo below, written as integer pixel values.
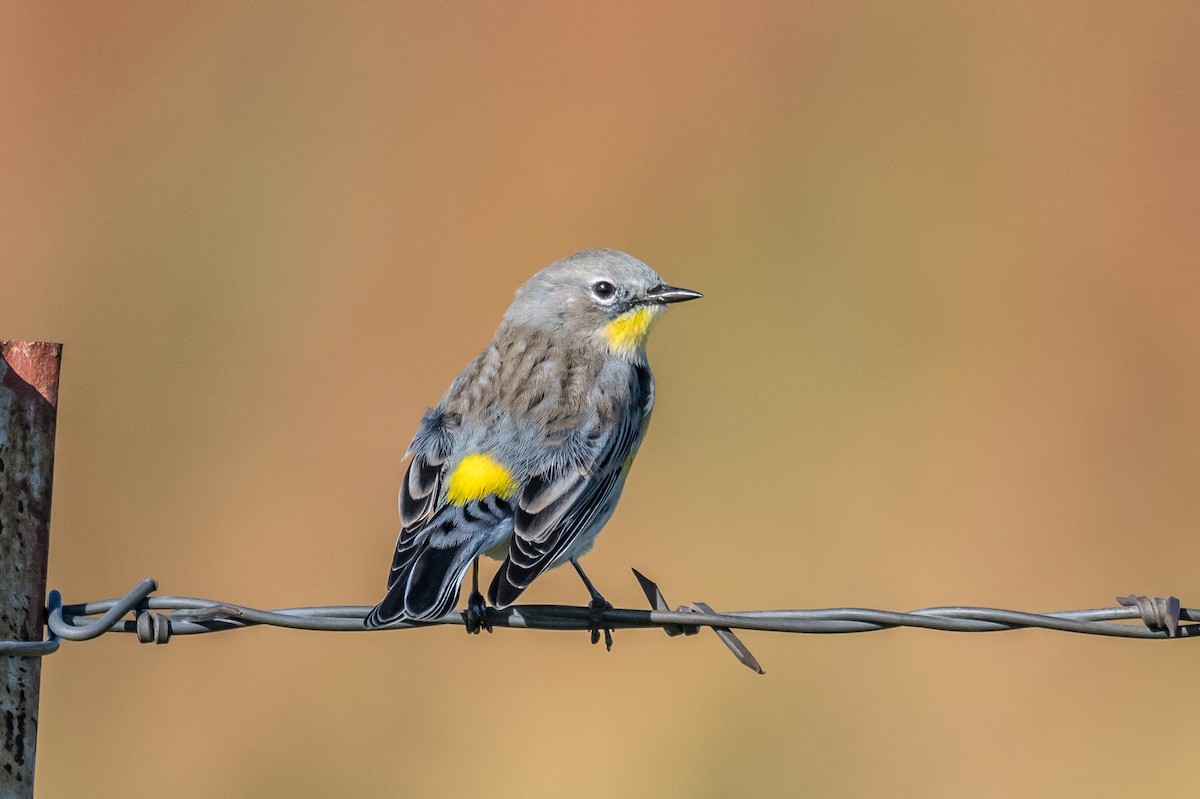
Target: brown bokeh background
(949, 353)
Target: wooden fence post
(28, 417)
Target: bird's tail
(428, 587)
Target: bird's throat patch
(627, 333)
(478, 476)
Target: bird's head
(601, 296)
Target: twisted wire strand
(156, 619)
(191, 615)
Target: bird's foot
(477, 618)
(598, 606)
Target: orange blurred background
(949, 353)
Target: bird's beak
(662, 293)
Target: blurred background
(949, 353)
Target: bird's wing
(432, 559)
(418, 501)
(422, 486)
(438, 540)
(559, 503)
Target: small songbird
(526, 454)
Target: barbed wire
(157, 619)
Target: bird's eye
(603, 290)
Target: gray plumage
(559, 401)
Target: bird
(525, 456)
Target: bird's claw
(476, 616)
(597, 607)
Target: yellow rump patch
(478, 476)
(627, 333)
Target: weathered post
(28, 417)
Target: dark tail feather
(508, 584)
(524, 563)
(436, 580)
(427, 589)
(391, 609)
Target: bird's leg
(476, 605)
(597, 606)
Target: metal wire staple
(35, 649)
(156, 619)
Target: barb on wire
(155, 619)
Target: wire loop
(36, 649)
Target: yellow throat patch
(627, 333)
(478, 476)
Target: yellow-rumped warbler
(526, 454)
